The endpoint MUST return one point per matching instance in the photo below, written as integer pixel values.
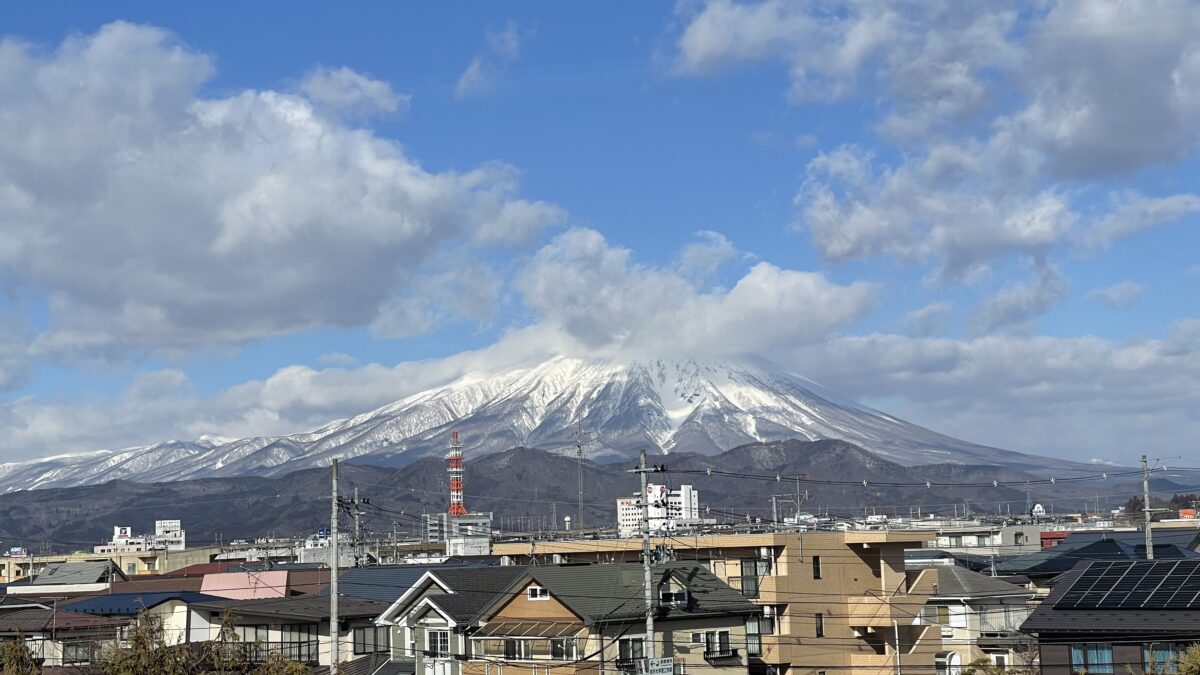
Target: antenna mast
(455, 469)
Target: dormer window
(668, 596)
(537, 593)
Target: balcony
(720, 654)
(626, 665)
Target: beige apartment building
(130, 563)
(832, 602)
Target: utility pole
(579, 461)
(774, 513)
(334, 642)
(648, 641)
(1146, 510)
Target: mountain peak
(612, 406)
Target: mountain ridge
(669, 405)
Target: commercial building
(830, 601)
(168, 536)
(440, 527)
(130, 563)
(669, 510)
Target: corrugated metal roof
(129, 604)
(307, 607)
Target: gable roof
(29, 620)
(1185, 537)
(302, 607)
(129, 604)
(467, 590)
(65, 573)
(1061, 558)
(959, 582)
(383, 583)
(615, 592)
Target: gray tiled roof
(600, 593)
(959, 582)
(473, 588)
(59, 574)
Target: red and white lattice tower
(456, 474)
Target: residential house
(979, 617)
(297, 627)
(567, 619)
(170, 608)
(830, 601)
(54, 636)
(1043, 566)
(1118, 617)
(69, 579)
(431, 622)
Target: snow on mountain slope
(621, 406)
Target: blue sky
(981, 220)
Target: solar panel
(1161, 584)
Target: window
(77, 653)
(716, 644)
(131, 568)
(629, 649)
(753, 636)
(437, 643)
(516, 650)
(564, 649)
(816, 567)
(1161, 657)
(537, 593)
(370, 639)
(766, 624)
(667, 596)
(820, 624)
(999, 659)
(1093, 657)
(299, 642)
(1019, 538)
(938, 615)
(255, 640)
(697, 638)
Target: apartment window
(697, 638)
(753, 636)
(1161, 657)
(1092, 657)
(1019, 538)
(537, 593)
(716, 644)
(437, 643)
(820, 624)
(816, 559)
(564, 649)
(998, 659)
(629, 649)
(370, 639)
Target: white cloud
(952, 205)
(927, 320)
(699, 260)
(1074, 396)
(1113, 86)
(597, 295)
(346, 92)
(155, 218)
(481, 75)
(339, 359)
(1130, 212)
(932, 57)
(1117, 296)
(1022, 301)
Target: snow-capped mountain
(616, 407)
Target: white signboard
(657, 666)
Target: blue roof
(129, 604)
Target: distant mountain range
(616, 406)
(520, 486)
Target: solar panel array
(1151, 584)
